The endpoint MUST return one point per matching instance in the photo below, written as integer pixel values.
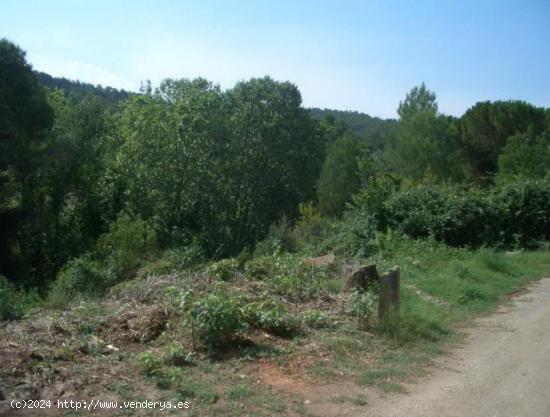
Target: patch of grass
(238, 392)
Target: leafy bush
(216, 317)
(13, 302)
(279, 238)
(175, 355)
(514, 214)
(362, 306)
(189, 257)
(126, 244)
(287, 275)
(522, 209)
(315, 319)
(149, 362)
(81, 277)
(272, 318)
(223, 270)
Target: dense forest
(95, 181)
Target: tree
(25, 118)
(425, 147)
(339, 178)
(487, 126)
(166, 160)
(274, 157)
(525, 156)
(417, 101)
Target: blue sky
(348, 55)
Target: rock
(110, 349)
(321, 261)
(362, 278)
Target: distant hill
(371, 129)
(108, 95)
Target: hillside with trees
(164, 232)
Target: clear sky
(348, 55)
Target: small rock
(110, 349)
(307, 402)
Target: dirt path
(501, 370)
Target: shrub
(288, 276)
(13, 302)
(175, 355)
(279, 238)
(223, 270)
(522, 209)
(80, 277)
(514, 214)
(271, 317)
(362, 306)
(189, 257)
(216, 317)
(149, 363)
(315, 319)
(126, 244)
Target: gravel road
(501, 370)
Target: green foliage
(126, 244)
(190, 257)
(25, 118)
(525, 156)
(149, 362)
(218, 317)
(362, 306)
(223, 270)
(426, 147)
(280, 237)
(288, 276)
(487, 126)
(418, 100)
(315, 319)
(339, 178)
(271, 317)
(175, 355)
(81, 277)
(14, 303)
(373, 131)
(509, 215)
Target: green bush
(271, 317)
(217, 317)
(315, 319)
(81, 277)
(149, 363)
(279, 238)
(522, 213)
(13, 302)
(223, 270)
(287, 275)
(362, 306)
(189, 257)
(514, 214)
(126, 245)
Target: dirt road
(501, 370)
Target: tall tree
(339, 178)
(25, 117)
(426, 144)
(487, 126)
